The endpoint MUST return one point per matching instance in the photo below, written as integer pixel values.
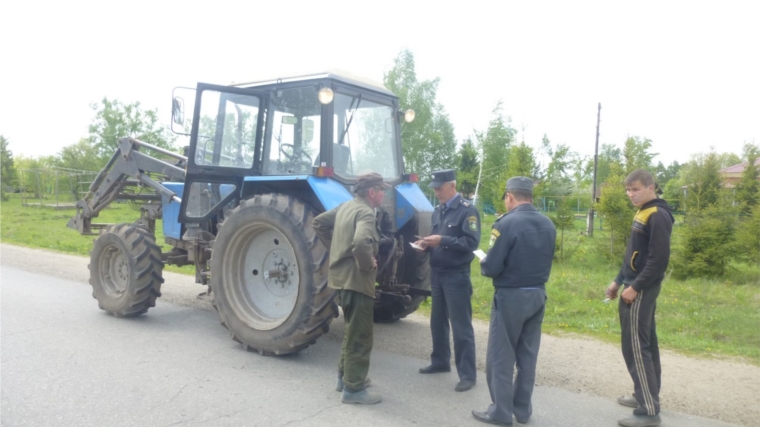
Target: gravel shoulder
(723, 389)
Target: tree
(636, 154)
(82, 156)
(428, 142)
(558, 180)
(708, 242)
(468, 166)
(563, 219)
(496, 143)
(748, 188)
(703, 183)
(747, 243)
(616, 210)
(114, 120)
(609, 155)
(7, 171)
(663, 174)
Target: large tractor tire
(413, 270)
(126, 270)
(269, 276)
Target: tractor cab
(325, 125)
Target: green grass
(45, 227)
(696, 316)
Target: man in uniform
(351, 234)
(643, 270)
(519, 261)
(455, 234)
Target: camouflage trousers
(358, 310)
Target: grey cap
(442, 176)
(520, 183)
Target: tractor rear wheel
(269, 276)
(126, 270)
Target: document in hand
(480, 254)
(415, 246)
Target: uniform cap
(520, 183)
(442, 176)
(369, 180)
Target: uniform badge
(473, 223)
(494, 235)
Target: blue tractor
(264, 159)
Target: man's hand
(421, 245)
(612, 290)
(629, 294)
(374, 262)
(432, 241)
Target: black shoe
(640, 421)
(522, 420)
(434, 369)
(464, 385)
(485, 418)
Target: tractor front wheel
(126, 270)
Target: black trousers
(641, 350)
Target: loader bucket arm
(127, 167)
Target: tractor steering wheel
(297, 156)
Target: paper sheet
(480, 254)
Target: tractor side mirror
(178, 110)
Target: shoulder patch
(494, 235)
(466, 204)
(473, 222)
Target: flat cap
(369, 180)
(520, 183)
(442, 176)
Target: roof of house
(738, 168)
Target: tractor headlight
(409, 115)
(325, 95)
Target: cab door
(225, 146)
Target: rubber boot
(361, 397)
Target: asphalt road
(63, 362)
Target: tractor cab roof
(338, 75)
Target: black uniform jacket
(521, 249)
(648, 252)
(459, 228)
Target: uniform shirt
(350, 232)
(648, 252)
(458, 223)
(521, 249)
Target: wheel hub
(277, 278)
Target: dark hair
(521, 195)
(640, 175)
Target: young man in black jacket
(644, 264)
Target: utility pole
(590, 219)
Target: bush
(748, 237)
(707, 246)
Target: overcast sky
(684, 74)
